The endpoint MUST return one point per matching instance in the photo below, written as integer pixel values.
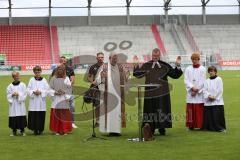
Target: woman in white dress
(60, 116)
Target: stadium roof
(26, 8)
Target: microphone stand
(94, 136)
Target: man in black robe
(157, 104)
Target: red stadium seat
(28, 44)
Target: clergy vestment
(37, 103)
(112, 107)
(213, 115)
(194, 76)
(17, 110)
(60, 116)
(157, 104)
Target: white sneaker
(65, 134)
(57, 134)
(223, 131)
(74, 126)
(23, 134)
(12, 135)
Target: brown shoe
(147, 132)
(96, 125)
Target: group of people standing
(204, 109)
(59, 88)
(205, 106)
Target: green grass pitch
(179, 144)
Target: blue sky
(113, 11)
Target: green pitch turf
(178, 144)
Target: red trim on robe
(194, 115)
(196, 65)
(60, 120)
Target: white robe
(37, 103)
(17, 105)
(213, 87)
(63, 84)
(195, 77)
(114, 120)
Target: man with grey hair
(111, 82)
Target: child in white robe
(194, 78)
(213, 118)
(37, 90)
(16, 96)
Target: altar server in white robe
(111, 82)
(194, 78)
(16, 96)
(213, 117)
(37, 91)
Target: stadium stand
(28, 44)
(88, 40)
(218, 39)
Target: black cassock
(157, 104)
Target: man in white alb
(112, 110)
